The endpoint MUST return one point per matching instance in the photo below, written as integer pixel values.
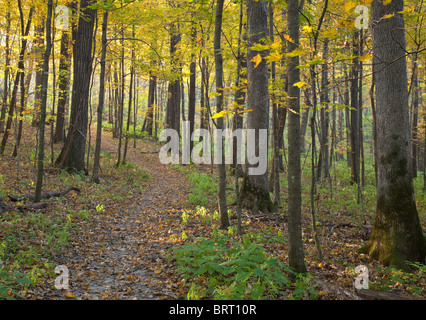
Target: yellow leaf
(329, 33)
(276, 45)
(307, 29)
(257, 59)
(365, 57)
(69, 295)
(288, 38)
(274, 56)
(157, 271)
(349, 6)
(300, 84)
(386, 2)
(390, 15)
(295, 52)
(220, 114)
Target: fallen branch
(33, 207)
(260, 217)
(367, 294)
(46, 195)
(4, 207)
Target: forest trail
(125, 254)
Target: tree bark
(73, 152)
(63, 86)
(42, 118)
(397, 234)
(6, 70)
(354, 123)
(221, 193)
(296, 253)
(255, 189)
(96, 162)
(24, 33)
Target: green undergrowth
(222, 268)
(205, 186)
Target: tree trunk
(39, 30)
(296, 253)
(6, 70)
(324, 170)
(96, 162)
(354, 123)
(42, 118)
(73, 152)
(151, 97)
(12, 106)
(129, 111)
(192, 94)
(221, 193)
(121, 104)
(255, 189)
(173, 102)
(239, 99)
(415, 109)
(63, 86)
(397, 234)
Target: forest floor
(117, 238)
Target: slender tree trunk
(397, 234)
(44, 84)
(24, 33)
(39, 30)
(415, 110)
(296, 252)
(6, 70)
(192, 88)
(239, 99)
(129, 112)
(221, 193)
(63, 86)
(151, 104)
(355, 112)
(116, 103)
(96, 162)
(121, 106)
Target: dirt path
(124, 254)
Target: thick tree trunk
(173, 102)
(73, 153)
(255, 191)
(397, 235)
